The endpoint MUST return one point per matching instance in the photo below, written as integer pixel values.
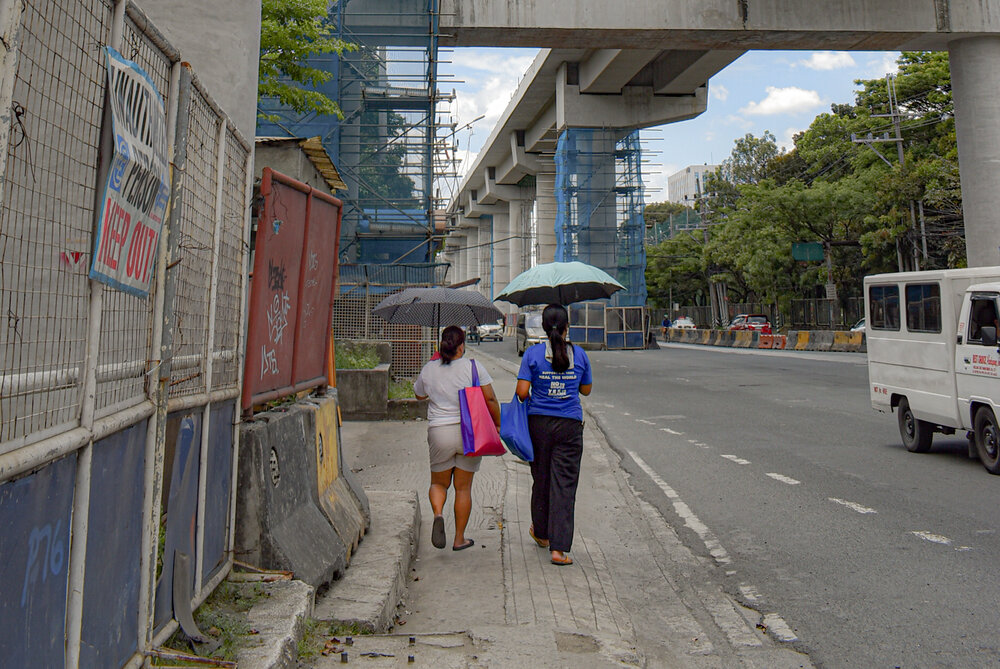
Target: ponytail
(555, 321)
(451, 338)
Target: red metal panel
(295, 270)
(319, 260)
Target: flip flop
(437, 533)
(544, 543)
(564, 561)
(467, 544)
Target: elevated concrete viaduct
(622, 66)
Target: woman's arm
(585, 390)
(523, 389)
(492, 404)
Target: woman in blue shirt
(555, 374)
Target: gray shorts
(446, 451)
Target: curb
(367, 596)
(280, 620)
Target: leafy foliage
(828, 189)
(291, 32)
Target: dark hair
(451, 338)
(554, 322)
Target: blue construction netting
(599, 198)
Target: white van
(933, 356)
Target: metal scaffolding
(389, 146)
(599, 195)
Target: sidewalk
(635, 597)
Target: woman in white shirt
(441, 379)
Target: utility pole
(870, 141)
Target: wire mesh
(412, 345)
(195, 268)
(225, 370)
(47, 217)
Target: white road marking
(671, 416)
(737, 459)
(669, 431)
(933, 538)
(750, 593)
(964, 549)
(715, 549)
(693, 441)
(642, 420)
(852, 505)
(779, 628)
(783, 479)
(626, 413)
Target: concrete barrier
(278, 521)
(744, 338)
(333, 497)
(779, 341)
(821, 340)
(848, 341)
(364, 393)
(765, 341)
(801, 340)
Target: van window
(883, 302)
(923, 307)
(983, 312)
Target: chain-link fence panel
(196, 235)
(47, 217)
(225, 369)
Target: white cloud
(790, 100)
(719, 92)
(476, 59)
(709, 135)
(877, 68)
(828, 60)
(787, 141)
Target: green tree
(291, 32)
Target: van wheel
(988, 439)
(916, 433)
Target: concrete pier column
(471, 252)
(975, 80)
(545, 212)
(501, 252)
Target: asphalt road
(774, 467)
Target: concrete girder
(493, 192)
(636, 107)
(680, 72)
(474, 209)
(609, 70)
(541, 135)
(517, 164)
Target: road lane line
(750, 593)
(933, 538)
(779, 628)
(691, 521)
(735, 458)
(852, 505)
(643, 420)
(693, 441)
(668, 430)
(783, 479)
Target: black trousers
(558, 444)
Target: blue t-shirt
(555, 393)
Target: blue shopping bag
(514, 429)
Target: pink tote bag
(479, 434)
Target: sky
(779, 91)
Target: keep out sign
(135, 194)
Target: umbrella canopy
(559, 283)
(438, 307)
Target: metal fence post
(209, 354)
(153, 475)
(10, 30)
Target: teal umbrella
(560, 283)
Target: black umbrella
(436, 307)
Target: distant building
(686, 186)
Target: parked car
(491, 331)
(529, 331)
(754, 322)
(683, 323)
(859, 326)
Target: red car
(754, 322)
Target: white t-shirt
(441, 383)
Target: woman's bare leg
(438, 493)
(463, 503)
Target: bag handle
(475, 374)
